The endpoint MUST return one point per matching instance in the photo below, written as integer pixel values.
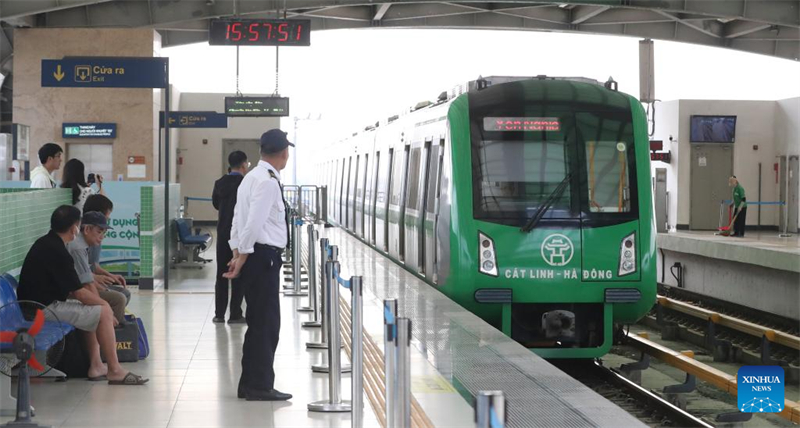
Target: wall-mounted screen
(713, 129)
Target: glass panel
(513, 178)
(433, 178)
(608, 176)
(413, 179)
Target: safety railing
(694, 370)
(328, 312)
(309, 201)
(184, 210)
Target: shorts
(73, 312)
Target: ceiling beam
(20, 8)
(382, 9)
(582, 14)
(739, 28)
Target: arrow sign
(58, 74)
(195, 119)
(104, 72)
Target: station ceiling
(769, 27)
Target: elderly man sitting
(48, 276)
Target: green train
(525, 200)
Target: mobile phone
(90, 178)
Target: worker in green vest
(739, 207)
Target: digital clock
(260, 32)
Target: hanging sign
(256, 106)
(105, 72)
(195, 119)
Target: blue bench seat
(11, 318)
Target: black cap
(95, 218)
(273, 141)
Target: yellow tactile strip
(374, 376)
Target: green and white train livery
(525, 200)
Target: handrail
(746, 327)
(689, 365)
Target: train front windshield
(518, 163)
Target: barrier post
(318, 317)
(313, 235)
(490, 409)
(334, 403)
(297, 290)
(390, 331)
(357, 352)
(326, 288)
(331, 329)
(402, 399)
(290, 251)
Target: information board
(256, 106)
(89, 130)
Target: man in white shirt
(259, 234)
(42, 175)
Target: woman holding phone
(74, 178)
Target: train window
(399, 179)
(412, 192)
(433, 178)
(607, 174)
(607, 139)
(512, 178)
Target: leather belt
(269, 247)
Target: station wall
(774, 126)
(45, 109)
(201, 150)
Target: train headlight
(627, 255)
(487, 263)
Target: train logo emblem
(557, 250)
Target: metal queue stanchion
(490, 409)
(327, 252)
(390, 331)
(331, 328)
(296, 287)
(402, 374)
(312, 307)
(290, 251)
(334, 403)
(317, 317)
(357, 351)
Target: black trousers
(739, 224)
(260, 278)
(224, 255)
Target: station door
(712, 165)
(250, 147)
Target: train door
(345, 186)
(382, 203)
(413, 211)
(352, 206)
(362, 196)
(431, 211)
(397, 206)
(374, 198)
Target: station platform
(734, 269)
(194, 364)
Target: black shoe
(239, 320)
(271, 395)
(218, 320)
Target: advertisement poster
(120, 253)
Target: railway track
(646, 406)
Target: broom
(727, 230)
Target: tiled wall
(24, 218)
(151, 235)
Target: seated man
(93, 230)
(48, 276)
(104, 278)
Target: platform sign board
(256, 106)
(104, 72)
(195, 119)
(89, 130)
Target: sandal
(129, 379)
